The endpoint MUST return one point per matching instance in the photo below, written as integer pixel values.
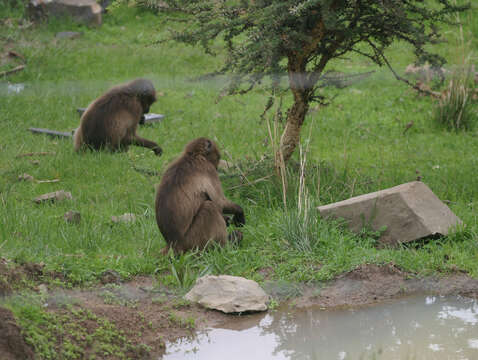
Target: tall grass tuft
(456, 110)
(300, 226)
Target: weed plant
(457, 109)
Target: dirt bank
(140, 317)
(369, 284)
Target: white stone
(229, 294)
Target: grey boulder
(84, 11)
(229, 294)
(407, 212)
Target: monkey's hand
(239, 218)
(158, 151)
(227, 219)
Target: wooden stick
(52, 133)
(36, 154)
(12, 71)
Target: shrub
(456, 110)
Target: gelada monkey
(111, 120)
(190, 202)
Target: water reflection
(415, 328)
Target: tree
(267, 38)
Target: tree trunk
(300, 87)
(295, 118)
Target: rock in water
(407, 212)
(229, 294)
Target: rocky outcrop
(402, 213)
(84, 11)
(229, 294)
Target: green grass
(357, 145)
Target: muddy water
(425, 327)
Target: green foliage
(183, 273)
(457, 108)
(68, 333)
(270, 37)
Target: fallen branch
(52, 133)
(36, 154)
(146, 171)
(48, 181)
(250, 182)
(12, 71)
(18, 55)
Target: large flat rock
(409, 212)
(84, 11)
(229, 294)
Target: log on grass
(52, 133)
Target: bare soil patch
(12, 344)
(368, 284)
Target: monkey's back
(180, 194)
(109, 119)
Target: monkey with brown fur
(111, 120)
(190, 202)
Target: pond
(423, 327)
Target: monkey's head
(206, 148)
(144, 90)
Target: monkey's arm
(227, 206)
(232, 208)
(147, 144)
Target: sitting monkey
(111, 120)
(190, 202)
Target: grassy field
(356, 145)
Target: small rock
(426, 72)
(35, 162)
(55, 196)
(73, 217)
(128, 217)
(68, 35)
(110, 277)
(229, 294)
(25, 177)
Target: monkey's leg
(139, 141)
(208, 225)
